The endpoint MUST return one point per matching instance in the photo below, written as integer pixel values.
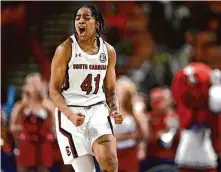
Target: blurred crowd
(28, 138)
(153, 41)
(147, 139)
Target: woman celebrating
(128, 133)
(31, 123)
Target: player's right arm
(58, 70)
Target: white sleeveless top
(128, 125)
(83, 84)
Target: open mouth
(82, 30)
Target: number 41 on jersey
(87, 84)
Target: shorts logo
(68, 150)
(103, 58)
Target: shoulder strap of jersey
(72, 37)
(73, 40)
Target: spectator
(31, 124)
(128, 133)
(42, 86)
(195, 89)
(140, 111)
(161, 120)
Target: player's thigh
(84, 163)
(105, 149)
(71, 139)
(100, 123)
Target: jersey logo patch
(103, 58)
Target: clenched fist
(118, 117)
(77, 118)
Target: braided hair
(96, 13)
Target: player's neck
(87, 44)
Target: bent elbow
(110, 91)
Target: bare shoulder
(110, 49)
(18, 105)
(65, 46)
(64, 50)
(111, 54)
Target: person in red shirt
(42, 86)
(196, 90)
(32, 125)
(161, 120)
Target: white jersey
(83, 84)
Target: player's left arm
(110, 86)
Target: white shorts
(195, 150)
(77, 141)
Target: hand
(141, 155)
(77, 118)
(25, 101)
(118, 117)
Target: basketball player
(85, 65)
